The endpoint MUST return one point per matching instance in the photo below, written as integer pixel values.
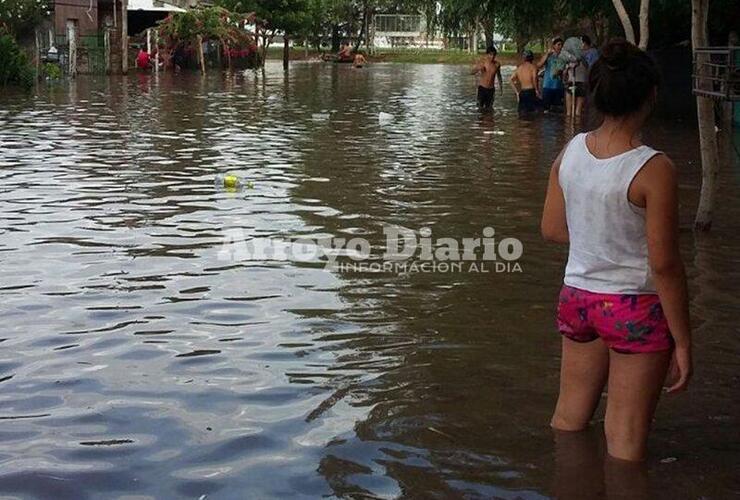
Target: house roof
(152, 6)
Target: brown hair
(623, 79)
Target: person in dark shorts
(486, 97)
(577, 75)
(488, 71)
(526, 84)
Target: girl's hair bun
(623, 79)
(617, 53)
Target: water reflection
(136, 360)
(583, 469)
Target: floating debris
(107, 442)
(385, 118)
(198, 352)
(232, 182)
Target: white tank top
(608, 245)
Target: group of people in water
(347, 55)
(562, 82)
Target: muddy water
(136, 360)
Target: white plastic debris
(320, 117)
(384, 118)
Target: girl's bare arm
(656, 187)
(554, 225)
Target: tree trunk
(286, 52)
(368, 28)
(705, 117)
(362, 34)
(488, 30)
(629, 31)
(521, 43)
(335, 38)
(644, 24)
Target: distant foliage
(211, 23)
(14, 66)
(216, 24)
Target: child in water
(614, 200)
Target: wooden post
(37, 58)
(124, 36)
(156, 56)
(106, 44)
(72, 48)
(286, 52)
(200, 55)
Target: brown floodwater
(136, 361)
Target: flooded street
(136, 360)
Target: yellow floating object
(231, 181)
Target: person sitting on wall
(345, 53)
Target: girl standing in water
(614, 200)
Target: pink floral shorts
(626, 323)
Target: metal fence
(90, 53)
(717, 72)
(399, 23)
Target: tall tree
(629, 31)
(526, 21)
(708, 147)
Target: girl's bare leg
(579, 105)
(583, 371)
(635, 384)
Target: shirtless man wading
(488, 70)
(526, 84)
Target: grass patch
(409, 56)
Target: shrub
(15, 69)
(52, 71)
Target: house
(97, 27)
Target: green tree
(20, 17)
(15, 69)
(526, 21)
